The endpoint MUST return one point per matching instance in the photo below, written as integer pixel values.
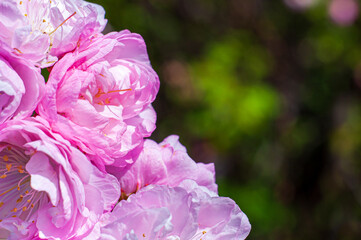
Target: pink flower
(343, 12)
(43, 30)
(166, 163)
(21, 86)
(187, 212)
(99, 97)
(48, 185)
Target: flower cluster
(74, 161)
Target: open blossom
(48, 189)
(43, 30)
(186, 212)
(166, 163)
(21, 86)
(99, 97)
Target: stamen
(62, 23)
(21, 183)
(16, 49)
(122, 90)
(23, 197)
(100, 92)
(20, 169)
(16, 186)
(8, 167)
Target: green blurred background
(270, 92)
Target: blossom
(82, 169)
(185, 212)
(166, 163)
(43, 30)
(99, 97)
(48, 189)
(343, 12)
(21, 86)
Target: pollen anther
(8, 167)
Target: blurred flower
(178, 78)
(300, 4)
(343, 12)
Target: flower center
(17, 198)
(104, 98)
(38, 14)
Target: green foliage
(45, 73)
(260, 204)
(236, 100)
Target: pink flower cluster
(74, 161)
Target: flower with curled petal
(187, 212)
(48, 189)
(21, 86)
(166, 163)
(43, 30)
(99, 97)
